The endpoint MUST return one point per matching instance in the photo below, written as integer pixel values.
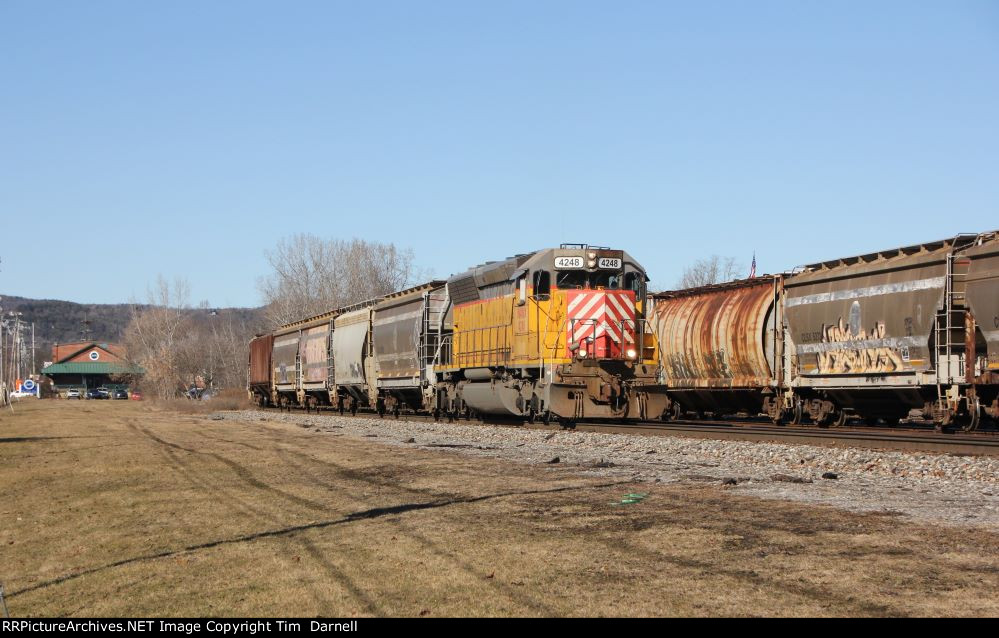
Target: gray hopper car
(332, 360)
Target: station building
(90, 364)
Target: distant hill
(63, 321)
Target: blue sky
(185, 138)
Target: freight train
(557, 334)
(873, 336)
(571, 333)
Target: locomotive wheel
(840, 419)
(870, 420)
(531, 415)
(566, 424)
(396, 412)
(437, 414)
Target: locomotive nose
(601, 324)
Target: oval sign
(94, 356)
(28, 385)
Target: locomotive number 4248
(570, 263)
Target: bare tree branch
(709, 270)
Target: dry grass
(230, 399)
(119, 508)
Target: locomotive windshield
(609, 280)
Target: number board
(607, 262)
(568, 263)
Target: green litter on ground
(631, 499)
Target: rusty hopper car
(719, 349)
(259, 372)
(879, 334)
(284, 366)
(557, 333)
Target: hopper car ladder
(950, 319)
(433, 341)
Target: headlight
(582, 353)
(631, 353)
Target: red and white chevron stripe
(602, 321)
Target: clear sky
(184, 138)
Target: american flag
(752, 269)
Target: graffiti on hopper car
(860, 360)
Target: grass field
(117, 508)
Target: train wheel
(397, 412)
(796, 414)
(436, 414)
(675, 411)
(840, 419)
(870, 420)
(566, 424)
(531, 415)
(970, 422)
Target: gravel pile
(959, 490)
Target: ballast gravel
(939, 488)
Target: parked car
(137, 396)
(73, 393)
(120, 394)
(98, 393)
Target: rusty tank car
(721, 347)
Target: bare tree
(180, 346)
(710, 270)
(312, 275)
(157, 337)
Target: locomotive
(558, 334)
(872, 336)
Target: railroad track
(918, 438)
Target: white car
(73, 394)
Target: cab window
(542, 284)
(570, 279)
(605, 279)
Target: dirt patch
(176, 514)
